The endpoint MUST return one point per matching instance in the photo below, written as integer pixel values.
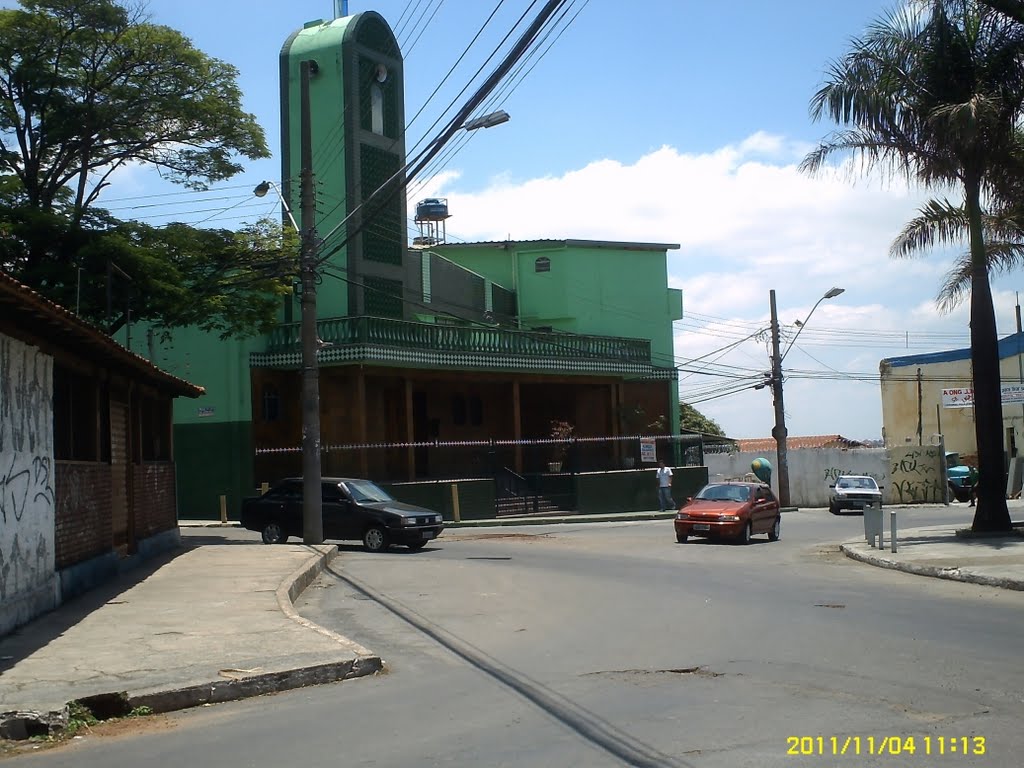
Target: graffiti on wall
(831, 473)
(26, 468)
(916, 475)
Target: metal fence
(530, 476)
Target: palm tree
(933, 93)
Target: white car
(853, 492)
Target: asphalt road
(610, 645)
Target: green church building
(432, 341)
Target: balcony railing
(401, 334)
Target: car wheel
(274, 533)
(376, 539)
(776, 529)
(681, 538)
(417, 545)
(833, 508)
(748, 533)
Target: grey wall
(28, 580)
(908, 475)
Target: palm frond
(937, 222)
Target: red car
(730, 510)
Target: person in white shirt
(665, 501)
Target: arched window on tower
(377, 109)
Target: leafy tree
(1014, 9)
(933, 93)
(86, 87)
(172, 276)
(692, 420)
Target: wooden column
(616, 405)
(517, 425)
(364, 463)
(410, 431)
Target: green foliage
(79, 718)
(172, 276)
(86, 87)
(692, 420)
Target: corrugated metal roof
(611, 244)
(765, 444)
(65, 330)
(1008, 347)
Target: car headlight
(438, 518)
(682, 516)
(408, 521)
(729, 518)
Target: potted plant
(561, 431)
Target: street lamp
(487, 121)
(261, 191)
(779, 431)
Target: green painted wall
(357, 144)
(590, 290)
(476, 497)
(323, 43)
(213, 447)
(495, 262)
(212, 459)
(631, 491)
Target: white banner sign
(648, 451)
(1013, 393)
(957, 398)
(964, 398)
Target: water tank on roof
(432, 209)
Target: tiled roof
(757, 444)
(42, 319)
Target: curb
(295, 584)
(951, 574)
(23, 724)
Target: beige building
(924, 396)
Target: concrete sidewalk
(939, 552)
(211, 622)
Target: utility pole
(920, 410)
(779, 431)
(1020, 363)
(312, 505)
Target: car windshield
(857, 482)
(364, 490)
(739, 493)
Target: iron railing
(385, 332)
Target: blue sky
(678, 121)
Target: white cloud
(748, 221)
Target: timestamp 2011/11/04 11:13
(885, 745)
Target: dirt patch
(696, 671)
(511, 536)
(105, 729)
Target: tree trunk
(992, 513)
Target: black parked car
(354, 510)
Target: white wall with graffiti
(908, 474)
(28, 583)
